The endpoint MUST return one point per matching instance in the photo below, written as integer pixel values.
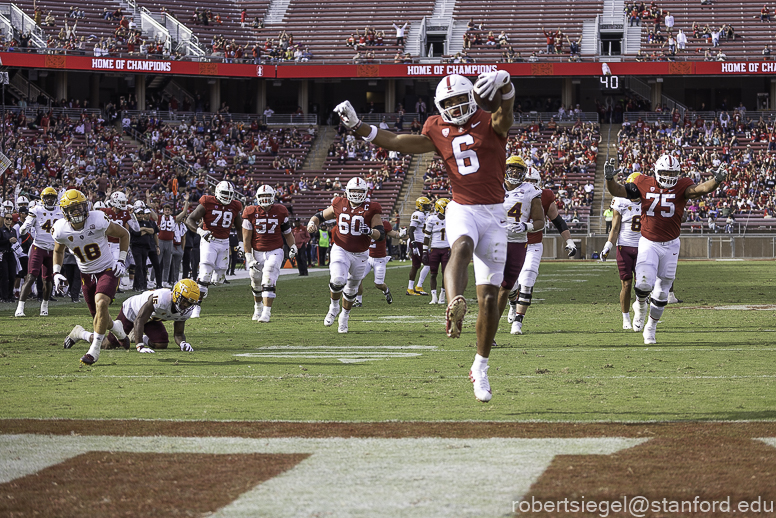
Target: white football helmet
(265, 196)
(99, 205)
(7, 207)
(225, 192)
(119, 200)
(667, 164)
(453, 86)
(356, 190)
(139, 204)
(533, 176)
(22, 201)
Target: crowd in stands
(732, 138)
(371, 39)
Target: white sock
(145, 340)
(441, 294)
(411, 285)
(423, 274)
(86, 336)
(257, 305)
(20, 305)
(267, 310)
(433, 294)
(118, 330)
(480, 362)
(334, 305)
(44, 305)
(94, 350)
(359, 299)
(345, 313)
(626, 317)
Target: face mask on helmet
(49, 198)
(532, 176)
(423, 204)
(516, 169)
(76, 213)
(441, 206)
(118, 200)
(225, 192)
(455, 99)
(265, 197)
(667, 171)
(356, 191)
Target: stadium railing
(276, 119)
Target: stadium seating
(522, 22)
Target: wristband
(529, 226)
(372, 134)
(57, 268)
(509, 94)
(123, 256)
(202, 232)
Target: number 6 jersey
(475, 157)
(89, 245)
(218, 217)
(661, 209)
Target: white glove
(144, 349)
(605, 252)
(416, 250)
(205, 234)
(516, 228)
(119, 269)
(720, 175)
(488, 82)
(610, 170)
(250, 261)
(293, 251)
(403, 233)
(571, 248)
(365, 230)
(186, 347)
(60, 282)
(347, 113)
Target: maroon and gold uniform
(348, 232)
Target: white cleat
(512, 313)
(196, 311)
(517, 328)
(19, 313)
(639, 315)
(43, 312)
(74, 336)
(441, 300)
(481, 384)
(343, 322)
(649, 332)
(433, 301)
(627, 326)
(330, 316)
(264, 317)
(256, 313)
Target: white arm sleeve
(133, 224)
(28, 224)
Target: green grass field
(574, 363)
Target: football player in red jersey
(218, 213)
(472, 143)
(121, 215)
(663, 198)
(265, 227)
(358, 222)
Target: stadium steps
(606, 149)
(412, 188)
(318, 154)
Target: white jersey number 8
(466, 159)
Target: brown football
(488, 106)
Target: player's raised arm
(487, 86)
(615, 189)
(709, 186)
(318, 218)
(409, 144)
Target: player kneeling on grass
(146, 313)
(86, 233)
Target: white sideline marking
(375, 478)
(354, 354)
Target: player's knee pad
(657, 302)
(268, 291)
(350, 297)
(336, 287)
(256, 279)
(642, 291)
(525, 294)
(514, 293)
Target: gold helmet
(441, 205)
(516, 168)
(74, 206)
(632, 178)
(423, 204)
(186, 291)
(49, 198)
